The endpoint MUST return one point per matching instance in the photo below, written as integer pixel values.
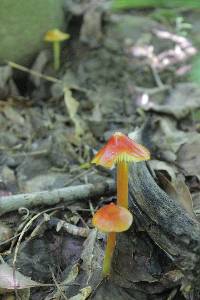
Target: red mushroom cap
(112, 218)
(120, 148)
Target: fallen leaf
(92, 255)
(5, 75)
(11, 282)
(159, 165)
(168, 138)
(184, 196)
(72, 107)
(13, 115)
(84, 293)
(70, 278)
(184, 99)
(178, 191)
(188, 157)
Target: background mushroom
(56, 36)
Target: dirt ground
(120, 71)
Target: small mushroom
(120, 150)
(111, 218)
(56, 36)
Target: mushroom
(111, 218)
(56, 36)
(120, 150)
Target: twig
(45, 77)
(66, 195)
(57, 285)
(77, 177)
(34, 73)
(19, 241)
(70, 228)
(151, 91)
(156, 77)
(25, 229)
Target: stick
(66, 195)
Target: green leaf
(128, 4)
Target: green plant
(181, 26)
(128, 4)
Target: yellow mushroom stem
(122, 184)
(110, 246)
(56, 53)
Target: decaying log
(161, 252)
(168, 224)
(66, 195)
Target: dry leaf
(13, 115)
(188, 157)
(72, 107)
(70, 278)
(179, 192)
(11, 282)
(84, 293)
(184, 196)
(159, 165)
(92, 255)
(183, 99)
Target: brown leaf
(178, 191)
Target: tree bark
(162, 249)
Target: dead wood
(168, 224)
(160, 253)
(66, 195)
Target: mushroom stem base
(110, 246)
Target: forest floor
(120, 71)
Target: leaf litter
(46, 143)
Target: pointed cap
(120, 148)
(112, 218)
(56, 35)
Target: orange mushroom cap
(120, 148)
(112, 218)
(56, 35)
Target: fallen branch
(66, 195)
(166, 221)
(68, 227)
(166, 235)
